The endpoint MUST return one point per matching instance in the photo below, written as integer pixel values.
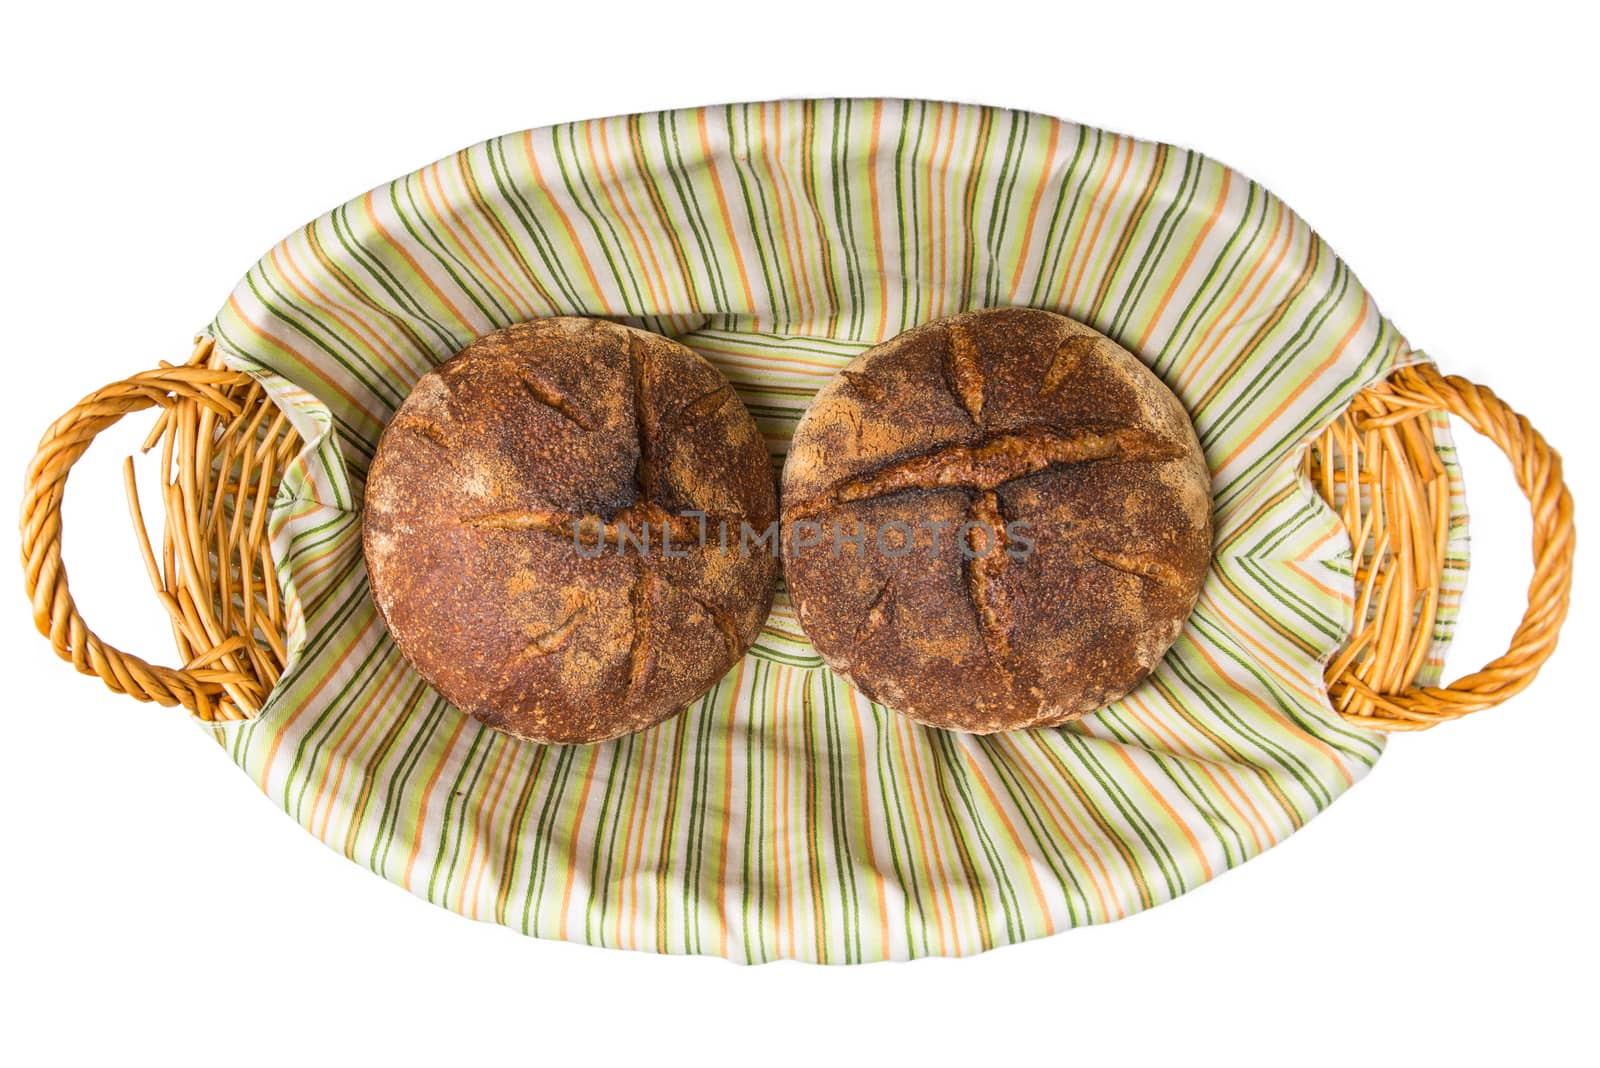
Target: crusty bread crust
(999, 417)
(532, 444)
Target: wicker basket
(224, 444)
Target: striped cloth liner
(784, 816)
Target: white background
(153, 900)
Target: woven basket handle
(210, 679)
(1408, 397)
(1376, 464)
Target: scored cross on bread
(1074, 481)
(533, 524)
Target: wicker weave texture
(223, 445)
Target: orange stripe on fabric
(925, 840)
(1294, 565)
(1222, 378)
(1107, 832)
(480, 819)
(1267, 780)
(338, 761)
(1141, 713)
(1306, 381)
(628, 895)
(787, 914)
(1334, 756)
(331, 271)
(674, 241)
(369, 782)
(1102, 208)
(566, 222)
(944, 216)
(308, 291)
(930, 197)
(1239, 527)
(1188, 260)
(1212, 337)
(801, 363)
(828, 284)
(1056, 812)
(1310, 551)
(466, 241)
(1242, 631)
(1016, 838)
(331, 673)
(530, 780)
(1033, 208)
(727, 806)
(1172, 813)
(469, 182)
(1134, 217)
(499, 790)
(427, 799)
(333, 386)
(862, 776)
(572, 839)
(361, 725)
(788, 222)
(877, 224)
(680, 728)
(727, 221)
(632, 229)
(411, 262)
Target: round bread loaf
(995, 521)
(534, 522)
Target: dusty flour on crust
(985, 420)
(536, 441)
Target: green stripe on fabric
(781, 815)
